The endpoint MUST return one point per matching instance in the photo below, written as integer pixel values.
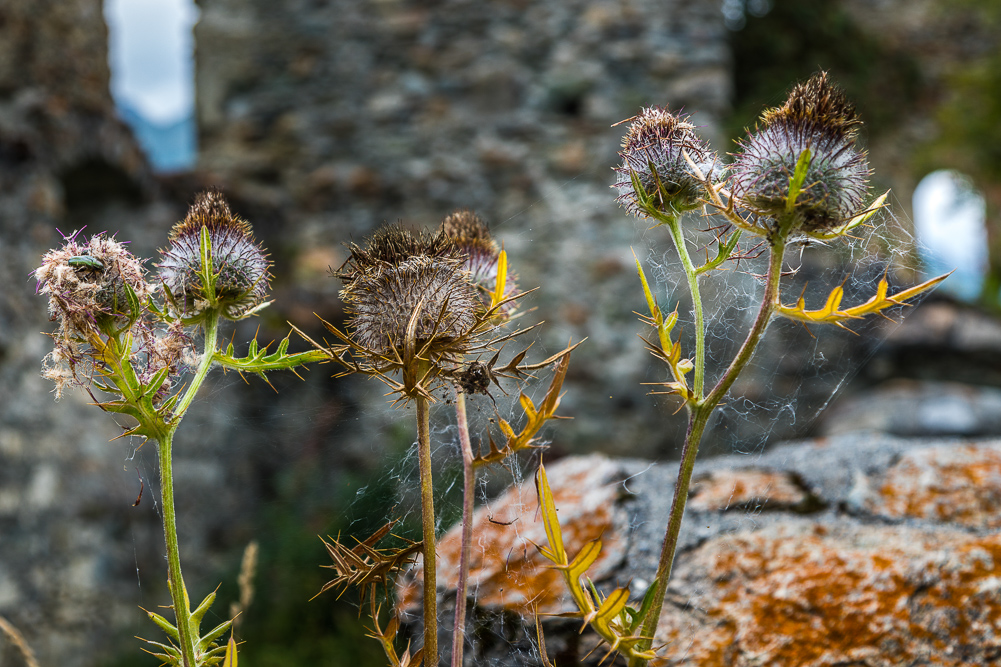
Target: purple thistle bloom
(819, 118)
(653, 152)
(240, 265)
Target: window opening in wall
(151, 53)
(949, 220)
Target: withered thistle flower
(430, 293)
(482, 256)
(239, 265)
(411, 307)
(817, 117)
(655, 176)
(88, 284)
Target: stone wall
(343, 115)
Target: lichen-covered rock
(806, 594)
(857, 549)
(958, 484)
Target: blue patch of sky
(949, 220)
(151, 55)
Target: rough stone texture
(914, 408)
(342, 115)
(892, 561)
(750, 489)
(808, 595)
(958, 484)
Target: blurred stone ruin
(323, 120)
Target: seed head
(402, 277)
(481, 254)
(239, 265)
(88, 285)
(653, 158)
(816, 116)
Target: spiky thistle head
(234, 281)
(657, 174)
(817, 117)
(482, 257)
(409, 287)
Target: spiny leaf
(797, 179)
(259, 361)
(230, 660)
(831, 313)
(164, 624)
(498, 295)
(585, 558)
(723, 252)
(612, 605)
(855, 221)
(535, 418)
(549, 518)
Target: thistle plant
(129, 343)
(798, 176)
(430, 311)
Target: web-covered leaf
(611, 617)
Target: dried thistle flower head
(404, 283)
(88, 285)
(817, 117)
(655, 176)
(482, 255)
(239, 265)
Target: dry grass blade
(18, 640)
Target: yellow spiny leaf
(230, 659)
(528, 407)
(549, 518)
(585, 559)
(499, 289)
(857, 220)
(611, 607)
(832, 314)
(505, 427)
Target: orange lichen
(749, 488)
(506, 570)
(876, 597)
(949, 483)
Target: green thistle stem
(427, 522)
(699, 417)
(178, 591)
(468, 489)
(674, 225)
(211, 326)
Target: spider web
(793, 375)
